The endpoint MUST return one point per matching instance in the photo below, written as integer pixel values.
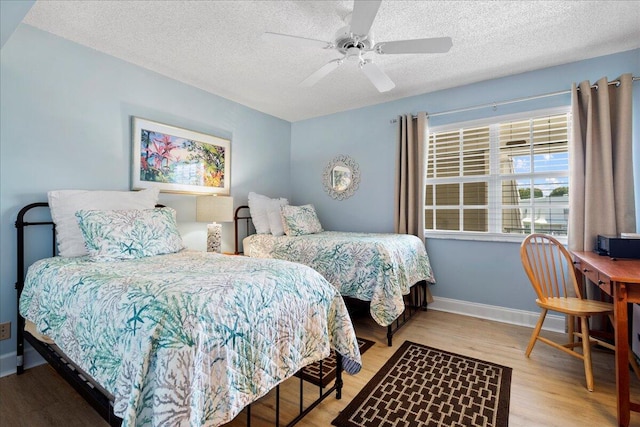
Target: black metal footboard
(414, 302)
(82, 383)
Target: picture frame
(177, 160)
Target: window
(507, 177)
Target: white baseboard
(8, 361)
(555, 323)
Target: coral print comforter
(374, 267)
(188, 338)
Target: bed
(390, 271)
(181, 338)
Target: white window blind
(506, 177)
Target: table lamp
(214, 209)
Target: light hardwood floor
(547, 389)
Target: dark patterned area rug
(314, 375)
(424, 386)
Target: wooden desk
(621, 279)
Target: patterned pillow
(65, 203)
(129, 234)
(299, 220)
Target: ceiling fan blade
(364, 12)
(322, 72)
(295, 41)
(432, 45)
(380, 80)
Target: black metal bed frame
(83, 383)
(415, 301)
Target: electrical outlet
(5, 331)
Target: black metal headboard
(237, 217)
(21, 224)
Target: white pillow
(275, 215)
(258, 211)
(65, 203)
(260, 208)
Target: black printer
(618, 247)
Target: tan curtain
(601, 196)
(410, 160)
(410, 164)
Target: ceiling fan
(356, 40)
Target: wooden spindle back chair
(549, 267)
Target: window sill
(483, 237)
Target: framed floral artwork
(176, 160)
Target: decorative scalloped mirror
(341, 177)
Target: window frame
(494, 178)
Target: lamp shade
(214, 209)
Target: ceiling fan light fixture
(353, 54)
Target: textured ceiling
(216, 45)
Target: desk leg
(622, 353)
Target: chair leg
(571, 327)
(586, 352)
(536, 332)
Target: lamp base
(214, 237)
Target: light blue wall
(11, 14)
(65, 123)
(481, 272)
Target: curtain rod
(512, 101)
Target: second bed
(380, 268)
